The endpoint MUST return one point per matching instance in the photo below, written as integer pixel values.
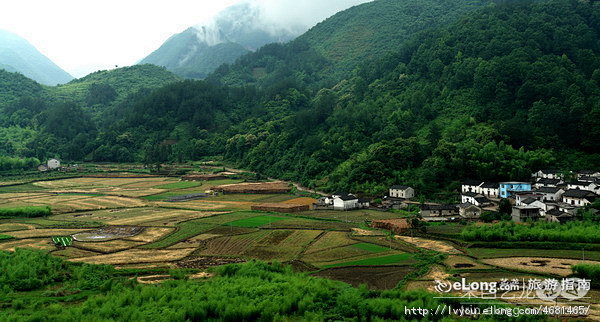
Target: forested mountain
(333, 48)
(18, 55)
(235, 31)
(503, 90)
(57, 121)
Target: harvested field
(151, 234)
(134, 256)
(72, 252)
(108, 246)
(164, 217)
(366, 233)
(430, 244)
(194, 241)
(329, 240)
(257, 221)
(464, 263)
(206, 262)
(32, 233)
(108, 233)
(184, 231)
(282, 245)
(232, 245)
(280, 207)
(379, 278)
(42, 244)
(555, 266)
(202, 204)
(334, 255)
(14, 227)
(258, 187)
(301, 201)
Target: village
(550, 196)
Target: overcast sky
(82, 36)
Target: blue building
(508, 188)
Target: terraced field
(128, 222)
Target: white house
(469, 211)
(53, 164)
(588, 174)
(520, 197)
(582, 185)
(471, 186)
(346, 202)
(475, 199)
(550, 193)
(489, 189)
(404, 192)
(578, 197)
(548, 174)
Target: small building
(588, 174)
(489, 189)
(53, 164)
(475, 199)
(550, 193)
(555, 215)
(396, 226)
(364, 203)
(469, 211)
(345, 202)
(548, 174)
(404, 192)
(508, 189)
(582, 185)
(521, 196)
(543, 182)
(42, 168)
(578, 197)
(525, 213)
(442, 211)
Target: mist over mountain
(237, 30)
(18, 55)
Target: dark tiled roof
(438, 207)
(399, 187)
(578, 193)
(548, 181)
(470, 194)
(556, 212)
(466, 205)
(548, 171)
(546, 190)
(490, 185)
(578, 183)
(528, 201)
(482, 200)
(348, 197)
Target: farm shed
(396, 226)
(280, 207)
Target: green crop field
(3, 237)
(385, 260)
(64, 240)
(371, 247)
(179, 185)
(257, 221)
(184, 231)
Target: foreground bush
(588, 271)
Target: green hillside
(331, 49)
